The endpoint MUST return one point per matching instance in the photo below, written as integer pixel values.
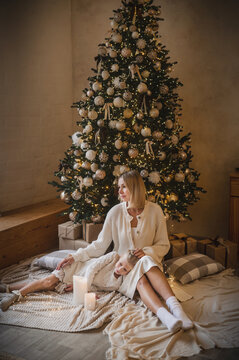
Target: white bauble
(127, 95)
(105, 74)
(133, 153)
(90, 155)
(179, 177)
(104, 201)
(118, 144)
(128, 113)
(162, 155)
(83, 112)
(76, 166)
(110, 91)
(117, 38)
(135, 35)
(99, 100)
(144, 173)
(97, 86)
(154, 113)
(112, 53)
(116, 158)
(169, 124)
(90, 93)
(102, 51)
(154, 177)
(115, 67)
(76, 195)
(124, 168)
(112, 124)
(88, 181)
(145, 74)
(146, 131)
(94, 167)
(141, 43)
(100, 174)
(125, 52)
(157, 135)
(174, 139)
(86, 165)
(88, 128)
(100, 123)
(64, 196)
(72, 215)
(76, 139)
(64, 179)
(92, 115)
(142, 87)
(159, 105)
(118, 102)
(152, 55)
(77, 152)
(120, 125)
(103, 156)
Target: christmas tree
(129, 119)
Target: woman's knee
(142, 282)
(50, 282)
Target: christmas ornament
(174, 139)
(140, 115)
(145, 74)
(112, 124)
(104, 201)
(187, 171)
(94, 167)
(100, 174)
(149, 93)
(122, 27)
(118, 102)
(162, 155)
(88, 128)
(102, 51)
(122, 85)
(84, 97)
(132, 28)
(116, 158)
(158, 105)
(64, 196)
(97, 219)
(125, 52)
(112, 53)
(116, 82)
(179, 177)
(113, 24)
(124, 144)
(97, 86)
(105, 75)
(110, 91)
(117, 38)
(118, 144)
(168, 178)
(173, 197)
(77, 152)
(154, 177)
(88, 181)
(76, 139)
(128, 113)
(133, 153)
(90, 93)
(72, 215)
(118, 17)
(169, 124)
(154, 113)
(76, 195)
(141, 43)
(163, 89)
(100, 123)
(92, 115)
(90, 155)
(99, 101)
(103, 156)
(144, 173)
(183, 155)
(120, 125)
(157, 66)
(86, 165)
(142, 87)
(146, 131)
(76, 166)
(137, 128)
(116, 171)
(157, 135)
(83, 112)
(123, 169)
(190, 178)
(135, 34)
(127, 96)
(115, 67)
(64, 179)
(152, 55)
(139, 59)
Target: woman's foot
(8, 301)
(177, 311)
(169, 320)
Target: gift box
(70, 230)
(218, 253)
(68, 244)
(190, 245)
(91, 231)
(231, 254)
(177, 248)
(202, 244)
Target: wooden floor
(35, 344)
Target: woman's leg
(152, 301)
(160, 284)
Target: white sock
(177, 311)
(168, 319)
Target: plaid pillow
(191, 267)
(51, 260)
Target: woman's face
(123, 190)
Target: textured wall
(201, 35)
(35, 97)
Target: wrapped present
(223, 251)
(177, 249)
(216, 252)
(68, 244)
(70, 230)
(231, 256)
(190, 245)
(202, 244)
(91, 231)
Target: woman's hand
(69, 288)
(67, 261)
(139, 253)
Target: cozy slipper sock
(8, 301)
(177, 311)
(169, 320)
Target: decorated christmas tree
(129, 118)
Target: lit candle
(79, 289)
(90, 301)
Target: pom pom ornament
(133, 153)
(154, 113)
(174, 139)
(76, 195)
(128, 113)
(118, 102)
(100, 174)
(113, 24)
(141, 43)
(90, 155)
(163, 89)
(157, 135)
(145, 74)
(146, 132)
(120, 125)
(88, 181)
(139, 59)
(103, 157)
(105, 75)
(126, 53)
(112, 124)
(152, 55)
(110, 91)
(92, 115)
(144, 173)
(154, 177)
(142, 88)
(97, 86)
(94, 167)
(115, 67)
(99, 101)
(84, 97)
(127, 96)
(122, 85)
(135, 35)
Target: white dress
(150, 235)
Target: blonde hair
(131, 258)
(135, 184)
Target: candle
(79, 289)
(90, 301)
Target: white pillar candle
(79, 289)
(90, 300)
